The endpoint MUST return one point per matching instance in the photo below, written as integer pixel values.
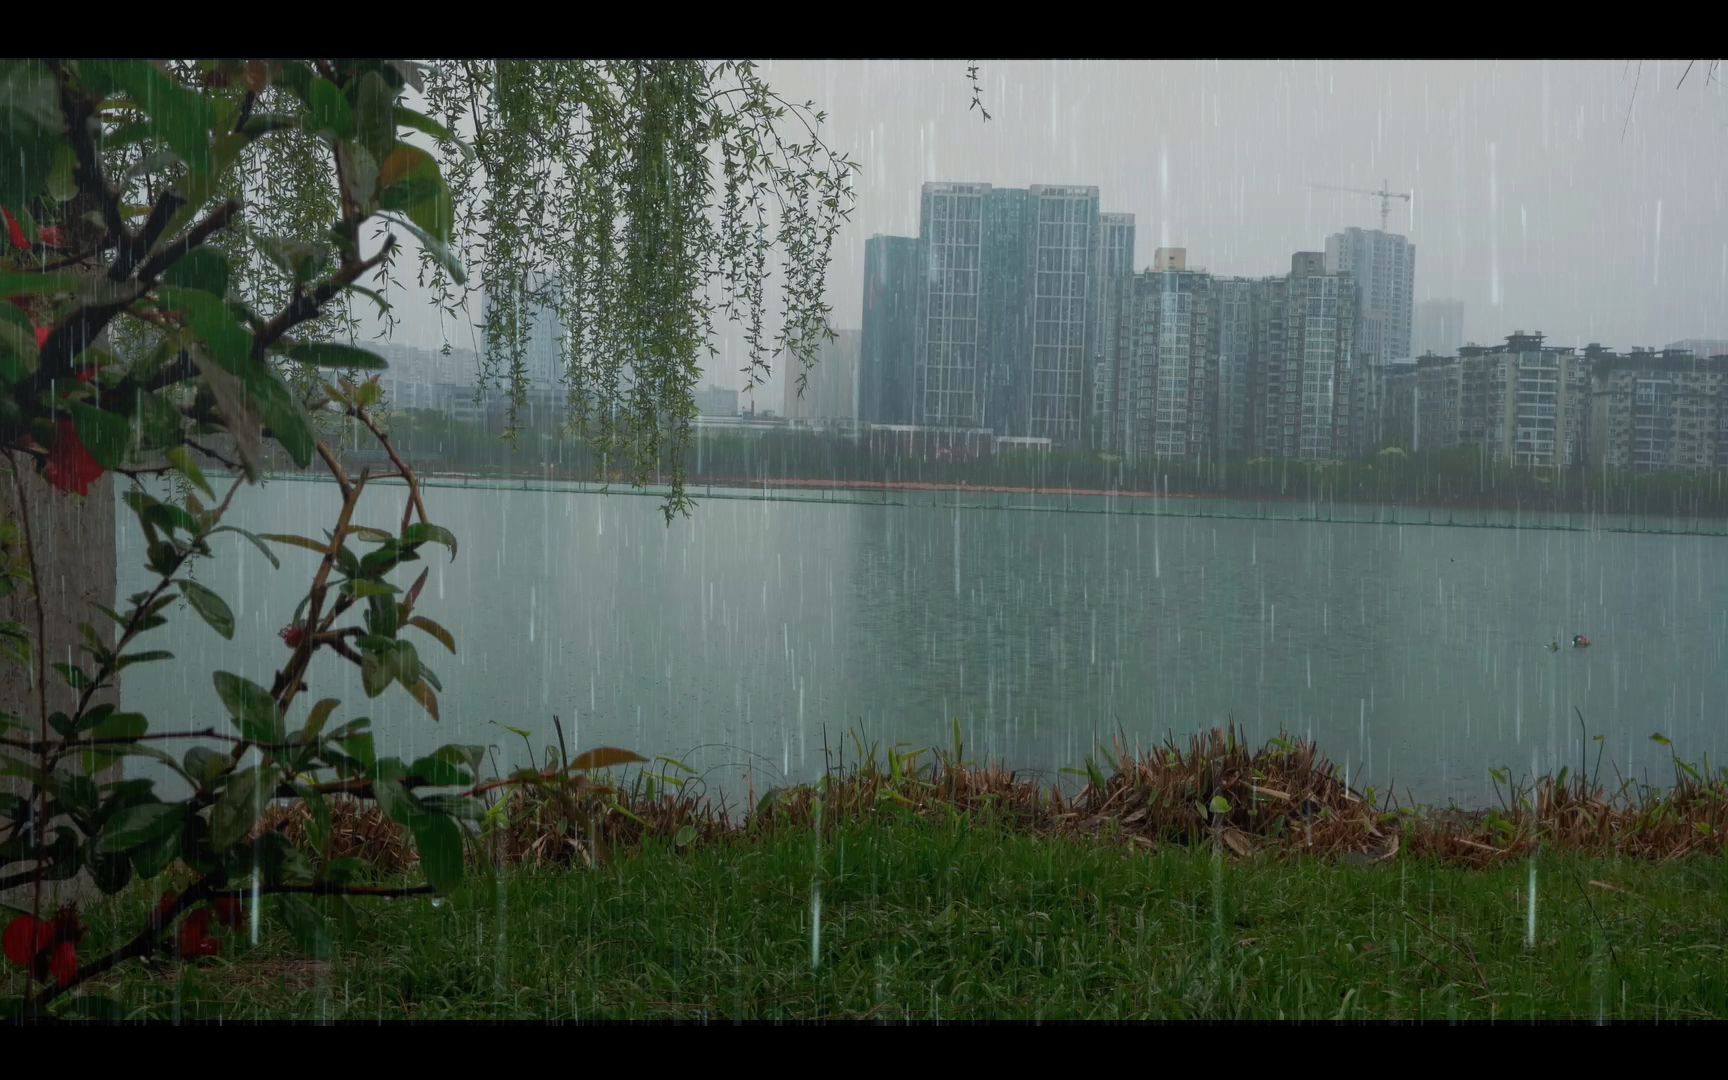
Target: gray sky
(1537, 202)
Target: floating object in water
(1579, 641)
(1553, 646)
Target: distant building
(1168, 363)
(830, 387)
(1108, 297)
(1665, 411)
(1439, 327)
(1703, 348)
(717, 401)
(1318, 359)
(1012, 308)
(543, 336)
(1383, 266)
(948, 382)
(888, 343)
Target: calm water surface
(754, 633)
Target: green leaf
(374, 114)
(374, 675)
(329, 111)
(319, 717)
(436, 772)
(300, 260)
(1220, 805)
(234, 814)
(296, 541)
(436, 248)
(201, 268)
(74, 675)
(444, 636)
(1661, 739)
(14, 283)
(361, 748)
(213, 323)
(459, 807)
(104, 434)
(409, 181)
(204, 765)
(421, 533)
(151, 859)
(177, 116)
(406, 117)
(210, 607)
(32, 128)
(253, 709)
(686, 836)
(147, 657)
(440, 842)
(362, 589)
(330, 354)
(159, 425)
(136, 826)
(257, 541)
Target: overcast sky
(1548, 195)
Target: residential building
(717, 401)
(1439, 328)
(1383, 265)
(1659, 411)
(830, 386)
(1168, 362)
(1318, 360)
(1702, 348)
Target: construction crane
(1383, 195)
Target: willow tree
(647, 203)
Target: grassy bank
(1213, 879)
(949, 919)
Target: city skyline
(1546, 193)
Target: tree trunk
(72, 541)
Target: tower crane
(1383, 195)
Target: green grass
(950, 921)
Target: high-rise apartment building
(1383, 265)
(1439, 328)
(1658, 411)
(1167, 362)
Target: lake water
(757, 631)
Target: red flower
(43, 333)
(63, 965)
(51, 236)
(70, 466)
(195, 939)
(19, 240)
(160, 917)
(292, 636)
(25, 937)
(48, 949)
(230, 913)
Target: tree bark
(75, 562)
